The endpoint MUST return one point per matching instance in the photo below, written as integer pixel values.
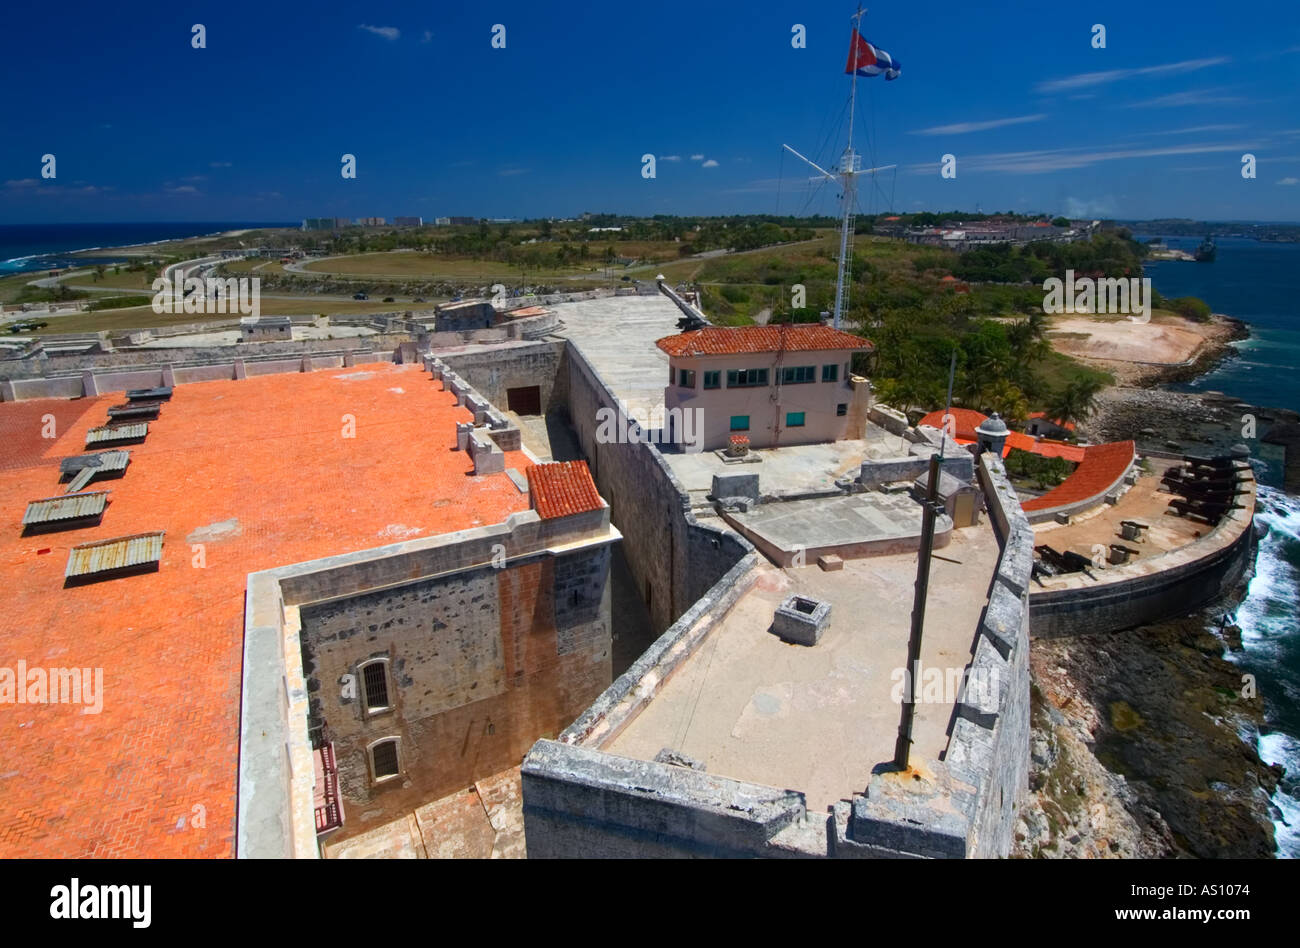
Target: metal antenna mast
(930, 510)
(850, 168)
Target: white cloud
(183, 189)
(1198, 128)
(428, 35)
(709, 164)
(22, 183)
(697, 157)
(1290, 181)
(961, 128)
(511, 172)
(670, 157)
(1085, 79)
(390, 33)
(1060, 159)
(219, 164)
(1195, 97)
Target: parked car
(360, 296)
(418, 299)
(388, 299)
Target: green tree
(1075, 401)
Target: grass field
(143, 317)
(426, 266)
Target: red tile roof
(1102, 466)
(1068, 426)
(735, 340)
(965, 421)
(562, 488)
(224, 466)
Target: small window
(739, 422)
(384, 761)
(830, 373)
(374, 679)
(686, 378)
(798, 374)
(842, 409)
(713, 380)
(794, 419)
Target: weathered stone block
(801, 619)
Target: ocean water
(28, 247)
(1252, 281)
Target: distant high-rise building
(342, 222)
(370, 221)
(319, 223)
(408, 221)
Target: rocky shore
(1143, 746)
(1143, 741)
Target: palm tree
(1075, 402)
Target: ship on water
(1206, 251)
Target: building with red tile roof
(241, 476)
(778, 385)
(737, 340)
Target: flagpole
(848, 184)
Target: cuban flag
(870, 60)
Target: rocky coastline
(1143, 741)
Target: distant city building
(460, 221)
(319, 223)
(371, 221)
(408, 221)
(342, 222)
(441, 221)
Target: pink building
(777, 385)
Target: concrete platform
(795, 469)
(851, 527)
(818, 718)
(617, 337)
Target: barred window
(384, 761)
(374, 680)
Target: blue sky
(144, 127)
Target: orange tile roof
(965, 421)
(1101, 467)
(261, 472)
(1046, 448)
(1068, 426)
(562, 488)
(735, 340)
